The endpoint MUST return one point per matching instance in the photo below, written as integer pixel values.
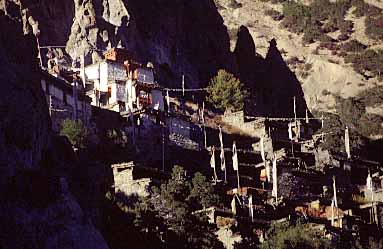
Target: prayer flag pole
(235, 163)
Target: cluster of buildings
(118, 83)
(280, 174)
(287, 175)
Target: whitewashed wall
(157, 100)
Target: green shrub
(293, 61)
(218, 5)
(226, 92)
(234, 4)
(329, 27)
(353, 46)
(370, 60)
(276, 15)
(308, 66)
(364, 9)
(325, 92)
(352, 112)
(374, 27)
(343, 37)
(312, 34)
(75, 131)
(297, 16)
(345, 26)
(286, 236)
(322, 16)
(325, 38)
(277, 1)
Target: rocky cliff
(178, 36)
(36, 208)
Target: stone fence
(254, 128)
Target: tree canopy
(225, 92)
(75, 131)
(286, 236)
(171, 208)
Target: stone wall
(234, 118)
(124, 182)
(254, 128)
(61, 111)
(184, 142)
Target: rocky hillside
(321, 74)
(37, 209)
(317, 61)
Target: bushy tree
(172, 205)
(334, 128)
(226, 92)
(75, 131)
(166, 219)
(286, 236)
(202, 192)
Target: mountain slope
(36, 209)
(318, 72)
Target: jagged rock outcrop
(281, 86)
(178, 36)
(272, 84)
(53, 17)
(24, 126)
(36, 208)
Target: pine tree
(225, 92)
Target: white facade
(131, 93)
(61, 103)
(157, 100)
(145, 75)
(115, 90)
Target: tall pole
(295, 111)
(239, 186)
(183, 85)
(347, 142)
(236, 164)
(225, 176)
(75, 99)
(322, 121)
(222, 156)
(163, 150)
(335, 198)
(212, 163)
(275, 178)
(203, 121)
(82, 69)
(38, 47)
(50, 105)
(168, 100)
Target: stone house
(62, 101)
(133, 180)
(120, 84)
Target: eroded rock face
(24, 126)
(36, 208)
(178, 36)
